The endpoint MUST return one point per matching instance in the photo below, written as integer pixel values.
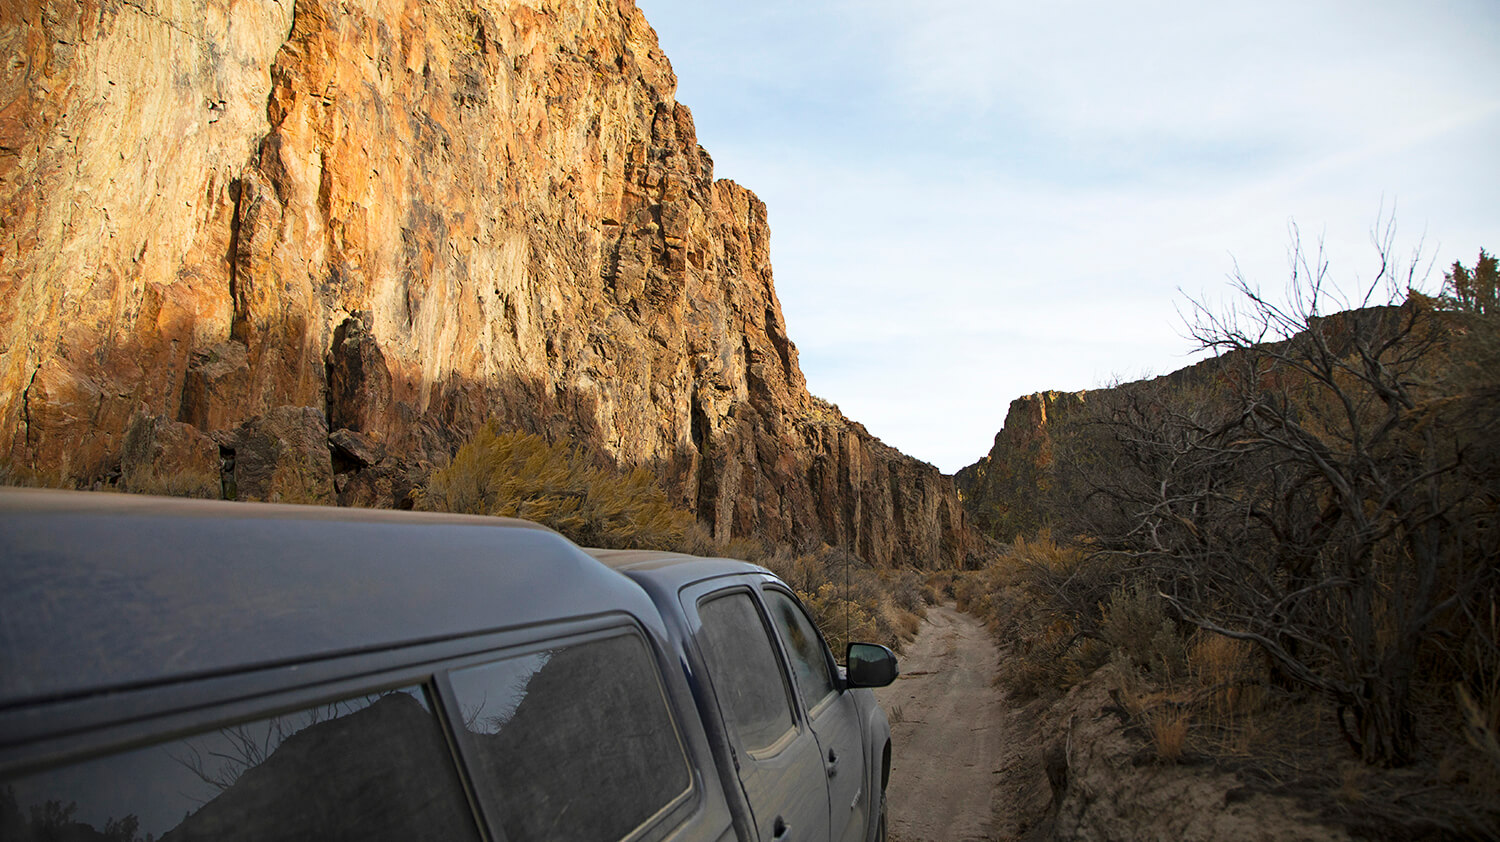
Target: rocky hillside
(1005, 491)
(238, 230)
(1008, 491)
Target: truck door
(776, 755)
(832, 714)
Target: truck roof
(669, 568)
(103, 591)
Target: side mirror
(870, 665)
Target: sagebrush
(512, 474)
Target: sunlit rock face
(410, 217)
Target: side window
(572, 743)
(374, 767)
(809, 657)
(746, 676)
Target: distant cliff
(383, 223)
(1005, 492)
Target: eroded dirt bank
(968, 762)
(959, 752)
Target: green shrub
(1137, 627)
(906, 591)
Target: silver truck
(185, 670)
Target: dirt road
(954, 744)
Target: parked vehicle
(183, 670)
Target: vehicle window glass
(572, 743)
(809, 658)
(744, 670)
(374, 767)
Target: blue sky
(972, 200)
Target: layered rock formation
(409, 216)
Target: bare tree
(1303, 493)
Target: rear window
(368, 768)
(574, 742)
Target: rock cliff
(1005, 491)
(406, 217)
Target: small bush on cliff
(522, 475)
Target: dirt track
(951, 736)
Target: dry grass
(1169, 732)
(1219, 664)
(1229, 686)
(23, 477)
(848, 599)
(908, 623)
(1042, 599)
(1198, 697)
(1354, 781)
(1482, 732)
(938, 586)
(198, 485)
(906, 591)
(843, 621)
(521, 475)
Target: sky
(975, 200)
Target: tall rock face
(1005, 492)
(410, 216)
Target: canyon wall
(1005, 492)
(246, 223)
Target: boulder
(283, 457)
(359, 382)
(163, 456)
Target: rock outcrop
(408, 216)
(163, 456)
(1005, 492)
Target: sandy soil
(954, 743)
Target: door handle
(779, 829)
(833, 763)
